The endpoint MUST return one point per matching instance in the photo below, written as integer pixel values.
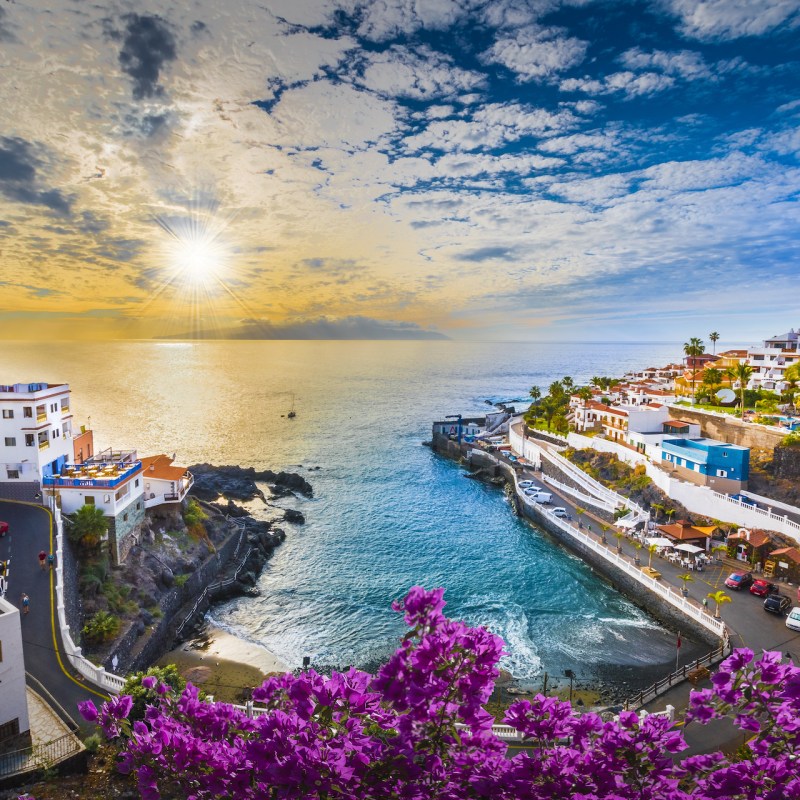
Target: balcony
(100, 476)
(44, 445)
(42, 417)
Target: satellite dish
(726, 396)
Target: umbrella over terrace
(659, 541)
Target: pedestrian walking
(51, 560)
(42, 560)
(25, 602)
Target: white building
(13, 699)
(110, 480)
(772, 359)
(164, 482)
(35, 432)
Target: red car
(762, 588)
(739, 580)
(3, 528)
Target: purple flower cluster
(418, 730)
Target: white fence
(669, 593)
(97, 675)
(623, 453)
(705, 501)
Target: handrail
(670, 594)
(40, 756)
(583, 498)
(678, 676)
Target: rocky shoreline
(173, 576)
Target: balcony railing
(41, 417)
(44, 445)
(100, 477)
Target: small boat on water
(292, 413)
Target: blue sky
(482, 170)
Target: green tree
(652, 549)
(686, 578)
(567, 383)
(740, 374)
(657, 507)
(693, 349)
(618, 536)
(585, 393)
(535, 393)
(87, 527)
(714, 338)
(719, 597)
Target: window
(125, 517)
(13, 474)
(138, 506)
(136, 482)
(8, 413)
(54, 407)
(27, 412)
(106, 498)
(29, 440)
(721, 473)
(11, 441)
(88, 500)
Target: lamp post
(568, 673)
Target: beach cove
(386, 513)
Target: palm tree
(658, 507)
(636, 559)
(686, 578)
(712, 379)
(741, 373)
(719, 597)
(605, 528)
(567, 382)
(88, 525)
(714, 338)
(618, 536)
(652, 549)
(535, 393)
(669, 513)
(692, 349)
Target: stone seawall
(635, 591)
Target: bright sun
(198, 259)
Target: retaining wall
(729, 429)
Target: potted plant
(686, 578)
(618, 536)
(636, 560)
(719, 598)
(651, 549)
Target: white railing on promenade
(97, 675)
(669, 593)
(580, 496)
(782, 518)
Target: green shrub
(92, 743)
(180, 580)
(142, 697)
(101, 627)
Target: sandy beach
(222, 664)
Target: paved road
(30, 530)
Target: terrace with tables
(103, 474)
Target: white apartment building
(111, 480)
(13, 698)
(772, 359)
(35, 431)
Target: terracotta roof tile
(161, 467)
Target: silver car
(793, 620)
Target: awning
(689, 548)
(660, 541)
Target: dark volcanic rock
(294, 516)
(239, 483)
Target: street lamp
(568, 673)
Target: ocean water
(387, 513)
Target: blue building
(724, 467)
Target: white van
(544, 498)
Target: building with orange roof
(683, 532)
(165, 483)
(784, 564)
(751, 546)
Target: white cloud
(731, 19)
(421, 74)
(628, 83)
(684, 63)
(387, 19)
(535, 53)
(491, 126)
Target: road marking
(53, 604)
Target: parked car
(3, 528)
(525, 484)
(762, 588)
(793, 620)
(560, 511)
(777, 603)
(739, 580)
(744, 500)
(542, 497)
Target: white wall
(13, 699)
(705, 501)
(73, 498)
